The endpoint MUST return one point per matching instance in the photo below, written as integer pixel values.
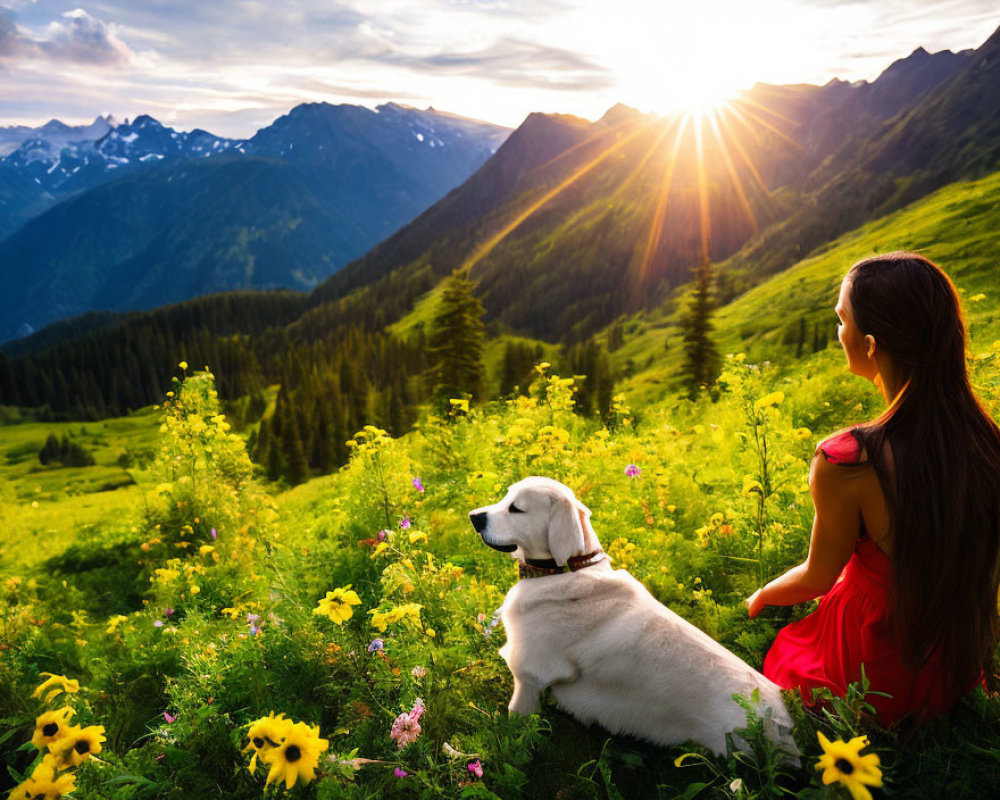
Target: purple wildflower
(381, 535)
(405, 524)
(214, 534)
(168, 717)
(254, 630)
(417, 484)
(400, 773)
(168, 612)
(253, 617)
(476, 768)
(158, 623)
(377, 644)
(632, 471)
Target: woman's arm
(835, 530)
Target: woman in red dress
(905, 542)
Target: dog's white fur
(612, 654)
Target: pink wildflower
(406, 728)
(214, 534)
(400, 773)
(632, 471)
(382, 535)
(405, 524)
(476, 768)
(168, 717)
(417, 484)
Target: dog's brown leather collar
(538, 568)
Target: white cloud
(228, 65)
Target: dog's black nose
(478, 521)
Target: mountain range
(571, 224)
(146, 215)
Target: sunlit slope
(958, 227)
(43, 508)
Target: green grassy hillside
(957, 227)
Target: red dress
(851, 626)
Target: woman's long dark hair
(944, 501)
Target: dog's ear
(589, 537)
(566, 518)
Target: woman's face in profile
(851, 338)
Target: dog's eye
(514, 509)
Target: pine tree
(456, 343)
(298, 469)
(701, 357)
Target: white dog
(611, 652)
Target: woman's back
(865, 490)
(853, 624)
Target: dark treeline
(65, 452)
(337, 366)
(128, 364)
(331, 389)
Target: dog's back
(625, 661)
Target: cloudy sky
(232, 66)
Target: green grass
(42, 508)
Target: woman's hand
(754, 603)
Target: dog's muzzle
(479, 523)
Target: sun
(669, 56)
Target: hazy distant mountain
(56, 165)
(55, 132)
(192, 213)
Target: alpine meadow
(251, 387)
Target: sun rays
(713, 144)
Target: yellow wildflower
(459, 405)
(772, 399)
(266, 733)
(44, 783)
(801, 433)
(337, 604)
(183, 365)
(56, 684)
(77, 744)
(114, 622)
(297, 756)
(50, 726)
(841, 761)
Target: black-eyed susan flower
(297, 756)
(54, 685)
(51, 726)
(44, 785)
(841, 761)
(265, 733)
(337, 605)
(76, 745)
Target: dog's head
(539, 518)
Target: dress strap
(841, 448)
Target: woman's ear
(566, 520)
(869, 345)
